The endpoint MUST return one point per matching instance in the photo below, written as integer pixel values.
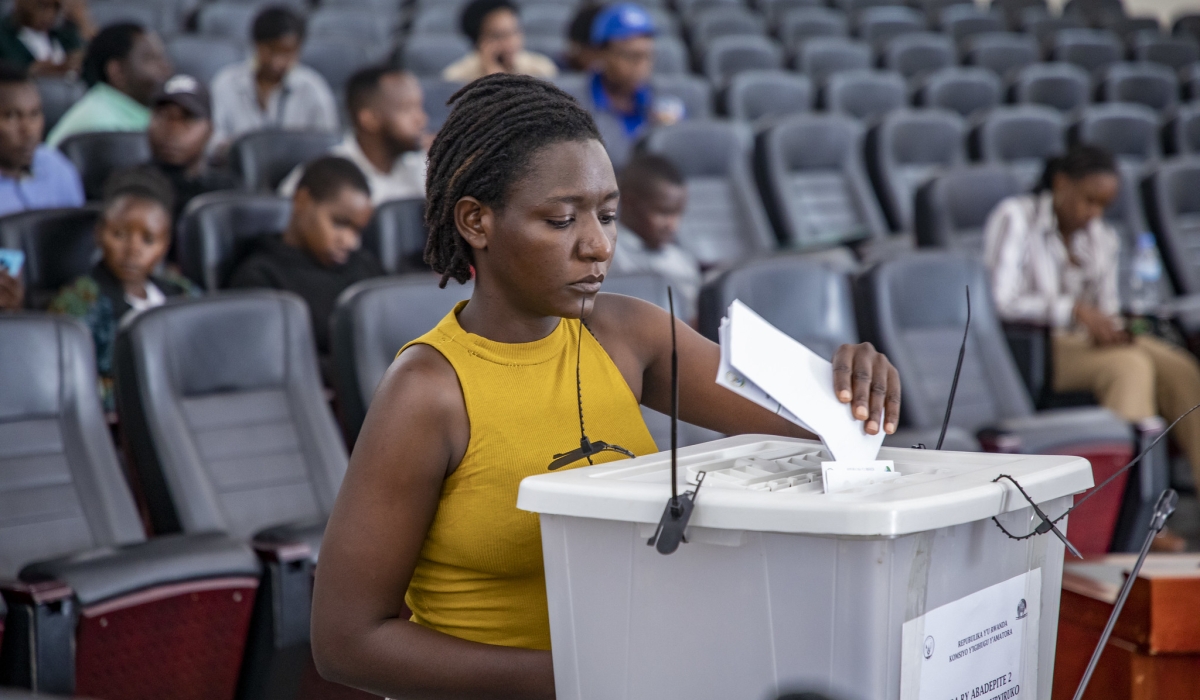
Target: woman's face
(1078, 201)
(548, 249)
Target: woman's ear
(474, 221)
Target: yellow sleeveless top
(480, 575)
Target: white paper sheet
(764, 365)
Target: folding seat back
(1187, 24)
(429, 54)
(907, 148)
(1090, 49)
(855, 7)
(372, 321)
(202, 57)
(690, 8)
(963, 21)
(815, 183)
(1022, 137)
(1182, 131)
(98, 154)
(670, 57)
(437, 19)
(370, 26)
(1189, 78)
(776, 10)
(228, 19)
(397, 235)
(58, 94)
(217, 228)
(222, 401)
(694, 92)
(821, 57)
(665, 22)
(876, 25)
(157, 16)
(1043, 27)
(967, 91)
(546, 19)
(801, 24)
(86, 593)
(1094, 12)
(726, 56)
(724, 20)
(1012, 9)
(932, 9)
(436, 93)
(1128, 131)
(1172, 194)
(1128, 27)
(753, 94)
(1173, 52)
(952, 208)
(724, 221)
(263, 158)
(1001, 52)
(338, 56)
(59, 245)
(918, 53)
(864, 94)
(1062, 86)
(1147, 84)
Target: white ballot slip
(762, 364)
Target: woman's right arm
(415, 431)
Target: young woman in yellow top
(521, 191)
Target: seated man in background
(1052, 260)
(32, 176)
(180, 127)
(653, 198)
(494, 28)
(386, 143)
(320, 253)
(133, 236)
(623, 101)
(125, 67)
(271, 90)
(580, 56)
(43, 36)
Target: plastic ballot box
(903, 588)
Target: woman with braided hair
(521, 195)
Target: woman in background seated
(133, 235)
(1053, 260)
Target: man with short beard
(32, 176)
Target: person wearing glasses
(521, 197)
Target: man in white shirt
(387, 140)
(653, 199)
(271, 90)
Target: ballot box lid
(773, 484)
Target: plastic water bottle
(1145, 274)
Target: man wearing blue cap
(623, 101)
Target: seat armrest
(1053, 430)
(285, 538)
(109, 572)
(38, 648)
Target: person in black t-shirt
(319, 254)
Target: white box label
(981, 647)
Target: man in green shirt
(125, 67)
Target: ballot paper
(764, 365)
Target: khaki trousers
(1148, 377)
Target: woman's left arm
(862, 376)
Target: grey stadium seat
(1022, 137)
(59, 245)
(98, 154)
(724, 20)
(907, 148)
(1090, 49)
(933, 9)
(725, 221)
(221, 398)
(1189, 79)
(776, 10)
(428, 54)
(202, 57)
(1012, 9)
(920, 52)
(810, 301)
(864, 94)
(821, 57)
(1062, 86)
(338, 57)
(1187, 24)
(372, 321)
(1174, 52)
(754, 94)
(263, 158)
(217, 227)
(1149, 84)
(227, 19)
(1001, 52)
(670, 56)
(158, 16)
(964, 90)
(876, 25)
(1043, 27)
(546, 19)
(693, 91)
(396, 235)
(369, 26)
(58, 95)
(914, 310)
(1181, 134)
(727, 55)
(1172, 195)
(554, 47)
(952, 208)
(963, 21)
(815, 183)
(799, 25)
(1128, 131)
(1129, 27)
(436, 92)
(437, 19)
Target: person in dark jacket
(133, 235)
(43, 36)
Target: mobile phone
(11, 261)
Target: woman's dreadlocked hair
(498, 122)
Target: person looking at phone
(32, 175)
(494, 28)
